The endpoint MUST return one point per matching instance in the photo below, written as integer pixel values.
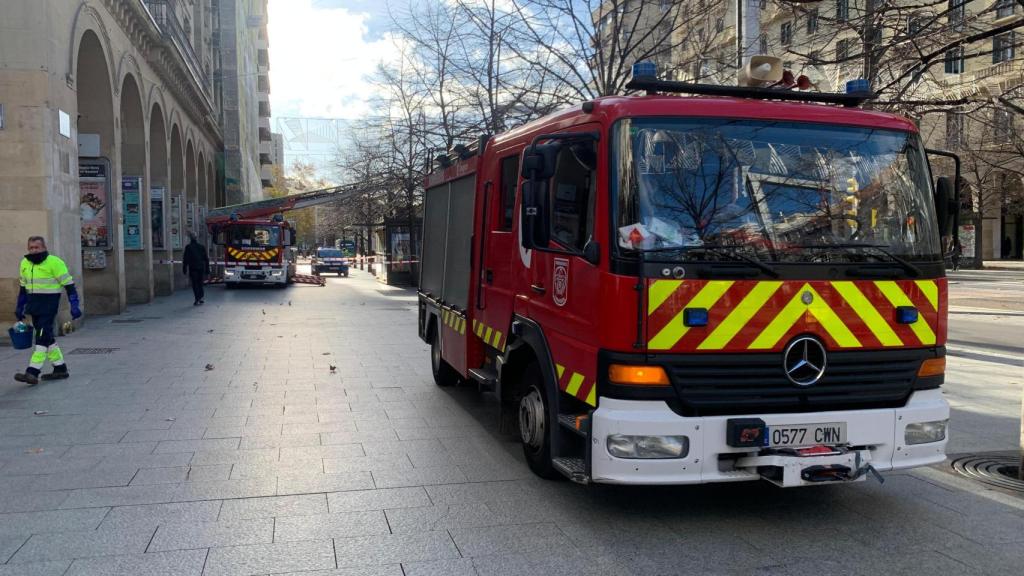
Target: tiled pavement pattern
(147, 463)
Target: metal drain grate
(93, 350)
(127, 321)
(994, 469)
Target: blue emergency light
(645, 71)
(858, 86)
(693, 317)
(906, 314)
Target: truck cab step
(486, 378)
(574, 469)
(577, 423)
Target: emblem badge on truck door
(560, 294)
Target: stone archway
(159, 236)
(191, 189)
(135, 193)
(102, 257)
(202, 203)
(175, 206)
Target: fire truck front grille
(725, 384)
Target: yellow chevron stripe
(487, 335)
(560, 369)
(574, 383)
(867, 313)
(592, 396)
(931, 291)
(896, 297)
(793, 311)
(480, 330)
(462, 327)
(740, 315)
(675, 330)
(659, 292)
(497, 339)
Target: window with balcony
(915, 23)
(786, 33)
(1005, 8)
(764, 44)
(265, 109)
(265, 160)
(1002, 124)
(843, 49)
(812, 21)
(954, 130)
(1002, 47)
(955, 61)
(263, 83)
(842, 10)
(957, 13)
(720, 25)
(263, 58)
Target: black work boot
(59, 373)
(28, 378)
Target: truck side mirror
(539, 160)
(944, 204)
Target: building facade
(963, 96)
(109, 141)
(242, 84)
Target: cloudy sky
(320, 54)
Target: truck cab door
(564, 286)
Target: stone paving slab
(146, 463)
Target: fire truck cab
(668, 290)
(257, 251)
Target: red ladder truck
(736, 284)
(257, 238)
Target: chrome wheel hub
(531, 419)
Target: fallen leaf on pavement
(40, 412)
(333, 368)
(209, 367)
(34, 451)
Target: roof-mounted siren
(859, 87)
(278, 217)
(761, 71)
(234, 217)
(645, 71)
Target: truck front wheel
(444, 374)
(534, 424)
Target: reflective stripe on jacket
(48, 277)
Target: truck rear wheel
(444, 374)
(534, 424)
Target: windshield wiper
(717, 249)
(881, 248)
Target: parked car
(329, 260)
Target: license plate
(831, 433)
(252, 276)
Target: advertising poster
(94, 206)
(131, 196)
(156, 209)
(176, 222)
(967, 241)
(400, 251)
(190, 218)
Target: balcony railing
(166, 18)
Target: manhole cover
(994, 469)
(92, 350)
(127, 321)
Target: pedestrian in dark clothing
(43, 277)
(196, 265)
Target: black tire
(346, 274)
(535, 424)
(444, 374)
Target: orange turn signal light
(637, 375)
(932, 367)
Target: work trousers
(46, 345)
(196, 278)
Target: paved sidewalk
(270, 462)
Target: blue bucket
(21, 340)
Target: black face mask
(38, 257)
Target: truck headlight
(276, 272)
(925, 432)
(648, 447)
(229, 272)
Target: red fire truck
(257, 239)
(735, 284)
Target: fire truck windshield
(252, 235)
(774, 191)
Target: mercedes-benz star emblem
(804, 361)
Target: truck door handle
(489, 276)
(538, 288)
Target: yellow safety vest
(48, 277)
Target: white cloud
(319, 60)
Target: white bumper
(880, 432)
(255, 276)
